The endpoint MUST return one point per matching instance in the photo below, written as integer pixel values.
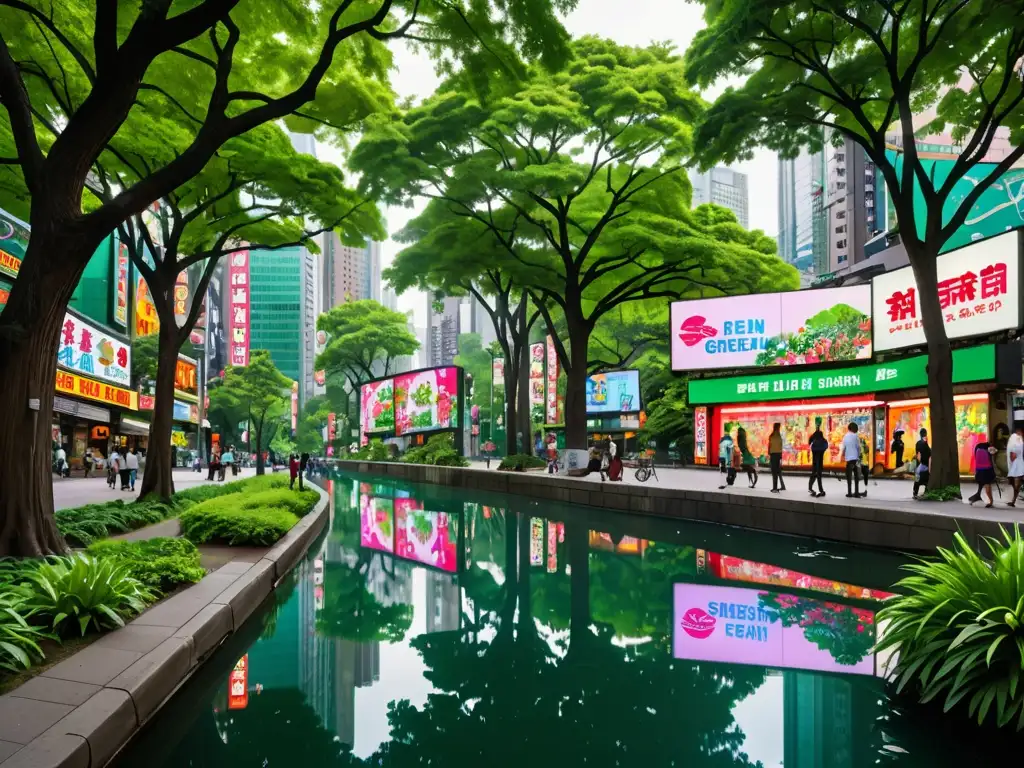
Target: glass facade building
(276, 316)
(724, 187)
(802, 238)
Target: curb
(82, 711)
(876, 527)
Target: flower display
(847, 633)
(832, 335)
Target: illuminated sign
(536, 381)
(84, 348)
(700, 435)
(181, 298)
(554, 405)
(613, 392)
(186, 379)
(73, 384)
(146, 321)
(536, 541)
(238, 308)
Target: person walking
(818, 445)
(775, 457)
(212, 466)
(303, 465)
(131, 462)
(984, 471)
(898, 447)
(234, 462)
(1015, 461)
(123, 471)
(226, 461)
(923, 452)
(60, 459)
(747, 460)
(725, 451)
(851, 455)
(113, 467)
(87, 461)
(293, 470)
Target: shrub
(521, 461)
(958, 629)
(19, 640)
(80, 526)
(80, 590)
(200, 493)
(438, 451)
(298, 503)
(946, 493)
(375, 450)
(225, 519)
(161, 564)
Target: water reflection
(430, 627)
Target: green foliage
(360, 334)
(957, 626)
(375, 450)
(257, 389)
(299, 503)
(352, 612)
(520, 462)
(438, 451)
(19, 640)
(225, 519)
(80, 526)
(161, 564)
(946, 493)
(841, 333)
(250, 485)
(71, 593)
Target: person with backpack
(819, 446)
(749, 463)
(923, 451)
(725, 452)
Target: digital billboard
(85, 348)
(771, 629)
(426, 400)
(377, 406)
(772, 329)
(613, 392)
(238, 308)
(424, 536)
(979, 292)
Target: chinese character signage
(79, 386)
(554, 409)
(186, 379)
(84, 348)
(700, 435)
(772, 329)
(295, 407)
(13, 243)
(121, 286)
(238, 685)
(146, 402)
(979, 292)
(238, 308)
(969, 364)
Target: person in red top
(293, 469)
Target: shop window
(971, 426)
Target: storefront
(89, 414)
(878, 397)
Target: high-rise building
(374, 285)
(826, 721)
(277, 301)
(444, 325)
(725, 187)
(851, 204)
(802, 239)
(443, 597)
(348, 271)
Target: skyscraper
(851, 204)
(276, 311)
(725, 187)
(348, 273)
(802, 239)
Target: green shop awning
(969, 364)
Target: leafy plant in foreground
(161, 564)
(19, 640)
(226, 519)
(80, 590)
(958, 629)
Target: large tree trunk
(259, 446)
(158, 478)
(29, 332)
(945, 466)
(511, 411)
(576, 387)
(525, 425)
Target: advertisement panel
(198, 333)
(295, 407)
(377, 406)
(426, 400)
(750, 626)
(613, 392)
(536, 541)
(536, 383)
(979, 292)
(79, 386)
(14, 235)
(186, 378)
(186, 412)
(5, 294)
(554, 409)
(146, 321)
(120, 302)
(969, 364)
(423, 536)
(85, 348)
(700, 435)
(772, 329)
(238, 308)
(181, 298)
(552, 547)
(332, 426)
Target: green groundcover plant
(230, 519)
(958, 630)
(298, 503)
(19, 640)
(438, 451)
(521, 461)
(81, 526)
(161, 564)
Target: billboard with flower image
(426, 400)
(378, 406)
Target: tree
(476, 361)
(578, 176)
(874, 72)
(364, 339)
(260, 391)
(72, 76)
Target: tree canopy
(364, 339)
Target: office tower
(277, 307)
(802, 239)
(348, 271)
(725, 187)
(850, 203)
(443, 322)
(442, 602)
(374, 283)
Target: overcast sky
(637, 22)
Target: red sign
(332, 421)
(552, 545)
(4, 296)
(554, 407)
(181, 297)
(146, 402)
(238, 308)
(700, 435)
(121, 287)
(238, 685)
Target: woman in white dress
(1015, 460)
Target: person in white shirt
(61, 459)
(131, 461)
(1015, 459)
(851, 455)
(113, 467)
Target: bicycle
(645, 468)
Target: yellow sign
(146, 320)
(79, 386)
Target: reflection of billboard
(772, 329)
(377, 523)
(426, 400)
(613, 392)
(738, 569)
(377, 406)
(424, 536)
(750, 626)
(238, 684)
(627, 545)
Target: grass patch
(946, 493)
(200, 493)
(226, 520)
(162, 564)
(521, 461)
(298, 503)
(80, 526)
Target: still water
(443, 628)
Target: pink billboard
(377, 406)
(772, 329)
(377, 523)
(771, 629)
(238, 308)
(426, 400)
(423, 536)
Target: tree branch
(16, 101)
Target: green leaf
(993, 648)
(17, 653)
(967, 633)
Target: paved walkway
(76, 491)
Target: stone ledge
(81, 712)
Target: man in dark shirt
(923, 451)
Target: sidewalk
(76, 491)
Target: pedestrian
(1015, 460)
(897, 446)
(132, 463)
(123, 471)
(775, 457)
(747, 460)
(212, 466)
(60, 459)
(226, 460)
(923, 452)
(851, 455)
(293, 470)
(984, 471)
(234, 462)
(87, 461)
(819, 445)
(725, 451)
(865, 455)
(113, 467)
(303, 465)
(614, 463)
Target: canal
(429, 626)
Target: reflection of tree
(846, 632)
(352, 612)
